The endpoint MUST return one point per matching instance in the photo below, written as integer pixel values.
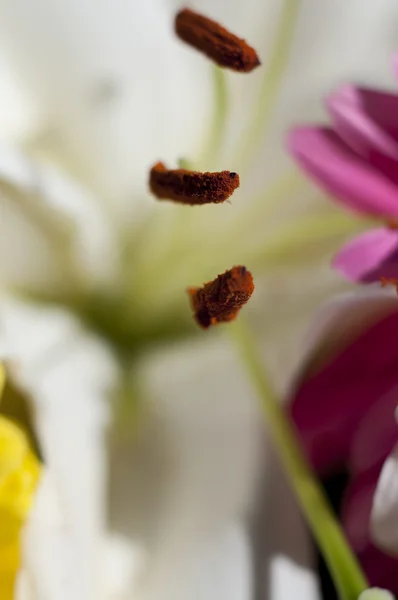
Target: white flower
(376, 594)
(100, 92)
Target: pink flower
(356, 160)
(343, 406)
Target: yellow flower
(19, 473)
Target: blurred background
(94, 318)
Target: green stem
(268, 94)
(218, 121)
(342, 563)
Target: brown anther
(385, 281)
(221, 46)
(393, 224)
(220, 300)
(192, 187)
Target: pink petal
(338, 170)
(357, 506)
(329, 406)
(339, 321)
(380, 568)
(366, 120)
(369, 256)
(384, 518)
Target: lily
(95, 277)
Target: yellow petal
(19, 474)
(2, 379)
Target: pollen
(386, 281)
(192, 187)
(217, 43)
(220, 300)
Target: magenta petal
(366, 120)
(357, 507)
(329, 406)
(369, 256)
(325, 157)
(380, 568)
(371, 445)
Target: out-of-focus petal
(47, 219)
(291, 579)
(335, 167)
(223, 570)
(372, 444)
(50, 565)
(123, 563)
(337, 322)
(366, 119)
(380, 568)
(67, 375)
(356, 508)
(194, 430)
(384, 517)
(369, 256)
(376, 594)
(19, 118)
(395, 64)
(283, 554)
(328, 405)
(115, 84)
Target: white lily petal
(44, 212)
(19, 118)
(376, 594)
(67, 375)
(225, 573)
(123, 564)
(221, 571)
(384, 516)
(284, 560)
(106, 75)
(192, 470)
(23, 587)
(51, 569)
(290, 580)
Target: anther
(221, 46)
(192, 187)
(386, 281)
(220, 300)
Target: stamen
(220, 300)
(192, 187)
(386, 281)
(220, 45)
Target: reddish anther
(220, 300)
(192, 187)
(385, 281)
(220, 45)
